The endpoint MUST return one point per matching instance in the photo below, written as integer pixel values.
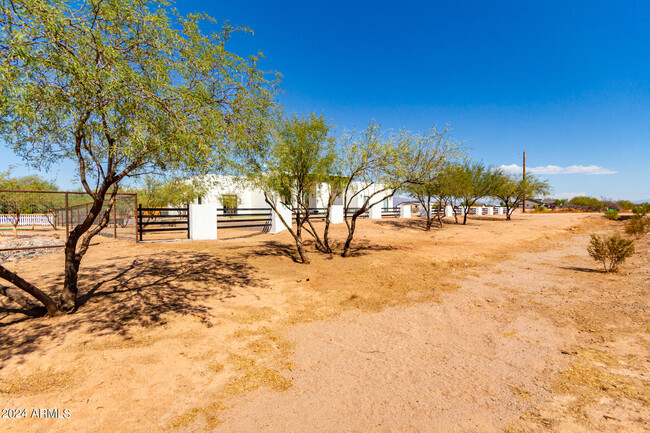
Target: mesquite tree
(428, 158)
(298, 159)
(374, 165)
(472, 182)
(121, 89)
(511, 189)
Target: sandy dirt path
(484, 358)
(493, 326)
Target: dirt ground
(491, 327)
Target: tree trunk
(298, 238)
(429, 223)
(465, 212)
(68, 298)
(348, 241)
(48, 302)
(326, 240)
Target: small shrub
(641, 209)
(610, 251)
(612, 214)
(638, 226)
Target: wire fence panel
(43, 219)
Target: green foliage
(429, 157)
(471, 181)
(625, 205)
(156, 192)
(590, 203)
(610, 251)
(561, 202)
(641, 209)
(539, 208)
(27, 203)
(298, 157)
(511, 189)
(637, 226)
(31, 182)
(128, 87)
(612, 214)
(229, 201)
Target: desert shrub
(610, 251)
(637, 226)
(590, 203)
(625, 204)
(612, 214)
(641, 209)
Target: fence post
(67, 222)
(490, 210)
(202, 221)
(139, 220)
(449, 211)
(114, 218)
(405, 211)
(189, 223)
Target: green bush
(612, 214)
(637, 226)
(610, 251)
(589, 203)
(641, 209)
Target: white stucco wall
(251, 197)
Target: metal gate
(166, 221)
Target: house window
(386, 203)
(229, 203)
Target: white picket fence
(27, 219)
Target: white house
(227, 190)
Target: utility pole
(524, 184)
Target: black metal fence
(171, 222)
(315, 213)
(244, 218)
(390, 212)
(352, 210)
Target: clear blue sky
(569, 82)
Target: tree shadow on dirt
(275, 248)
(419, 224)
(121, 295)
(581, 269)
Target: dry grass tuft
(592, 376)
(40, 382)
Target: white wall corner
(276, 223)
(336, 214)
(203, 222)
(375, 212)
(449, 211)
(405, 211)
